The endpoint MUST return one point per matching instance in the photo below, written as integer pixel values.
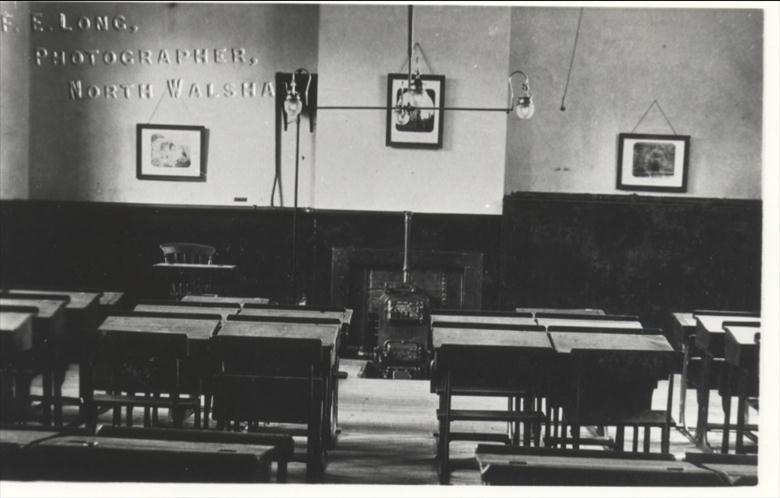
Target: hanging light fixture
(294, 101)
(523, 104)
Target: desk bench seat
(102, 459)
(490, 415)
(546, 466)
(283, 444)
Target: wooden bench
(15, 464)
(500, 465)
(734, 470)
(283, 444)
(115, 459)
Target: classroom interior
(388, 244)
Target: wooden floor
(388, 426)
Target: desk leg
(444, 431)
(336, 399)
(86, 390)
(314, 437)
(684, 387)
(741, 408)
(726, 402)
(703, 400)
(47, 379)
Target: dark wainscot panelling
(114, 245)
(631, 254)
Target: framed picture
(171, 152)
(653, 162)
(421, 127)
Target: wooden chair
(188, 253)
(614, 388)
(145, 371)
(265, 380)
(283, 443)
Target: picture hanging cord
(571, 62)
(425, 60)
(157, 106)
(655, 103)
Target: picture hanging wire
(420, 50)
(157, 106)
(571, 61)
(655, 103)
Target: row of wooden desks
(63, 326)
(208, 326)
(303, 322)
(487, 354)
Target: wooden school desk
(484, 318)
(569, 311)
(16, 334)
(48, 331)
(621, 399)
(214, 299)
(290, 369)
(588, 321)
(344, 316)
(197, 328)
(16, 339)
(710, 339)
(741, 350)
(327, 334)
(488, 362)
(221, 309)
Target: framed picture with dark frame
(171, 152)
(421, 127)
(653, 162)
